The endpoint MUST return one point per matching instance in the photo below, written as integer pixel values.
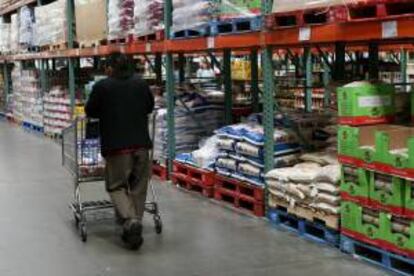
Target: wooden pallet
(157, 36)
(398, 264)
(307, 213)
(92, 43)
(117, 41)
(314, 231)
(55, 47)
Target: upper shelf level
(15, 6)
(397, 32)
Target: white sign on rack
(211, 42)
(389, 29)
(305, 34)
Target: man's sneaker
(132, 235)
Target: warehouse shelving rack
(328, 42)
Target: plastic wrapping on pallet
(114, 20)
(49, 31)
(28, 103)
(26, 26)
(189, 14)
(239, 8)
(280, 6)
(4, 37)
(14, 32)
(148, 16)
(91, 32)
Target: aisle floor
(200, 237)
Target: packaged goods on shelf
(205, 157)
(120, 19)
(241, 69)
(280, 6)
(3, 95)
(239, 8)
(312, 185)
(28, 104)
(191, 14)
(91, 32)
(14, 33)
(197, 115)
(148, 16)
(242, 151)
(4, 37)
(366, 103)
(47, 31)
(26, 27)
(57, 110)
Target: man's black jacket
(122, 107)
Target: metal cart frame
(75, 145)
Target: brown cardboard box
(91, 21)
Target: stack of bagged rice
(242, 151)
(196, 116)
(312, 184)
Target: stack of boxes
(377, 187)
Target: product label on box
(374, 101)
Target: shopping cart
(81, 155)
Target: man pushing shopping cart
(122, 103)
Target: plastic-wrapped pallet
(308, 185)
(148, 16)
(14, 33)
(28, 104)
(57, 110)
(189, 14)
(239, 8)
(114, 19)
(26, 27)
(127, 17)
(4, 37)
(197, 119)
(49, 31)
(293, 5)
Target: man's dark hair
(121, 64)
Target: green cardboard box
(398, 231)
(388, 191)
(354, 218)
(355, 181)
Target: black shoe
(132, 236)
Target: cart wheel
(83, 232)
(158, 224)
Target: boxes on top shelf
(364, 103)
(91, 32)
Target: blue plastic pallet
(398, 264)
(32, 128)
(192, 33)
(310, 230)
(236, 25)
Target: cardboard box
(91, 21)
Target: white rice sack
(293, 190)
(327, 208)
(249, 169)
(225, 143)
(227, 163)
(322, 158)
(281, 174)
(305, 189)
(278, 185)
(247, 149)
(304, 172)
(333, 200)
(330, 174)
(329, 188)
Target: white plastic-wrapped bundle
(127, 17)
(26, 26)
(14, 33)
(293, 5)
(4, 37)
(49, 31)
(114, 19)
(148, 16)
(236, 8)
(188, 14)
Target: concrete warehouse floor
(200, 237)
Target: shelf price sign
(211, 42)
(305, 34)
(389, 29)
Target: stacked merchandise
(120, 19)
(91, 33)
(197, 115)
(3, 96)
(282, 6)
(49, 32)
(57, 110)
(312, 185)
(4, 37)
(148, 16)
(26, 27)
(28, 104)
(14, 33)
(190, 14)
(239, 8)
(242, 151)
(377, 172)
